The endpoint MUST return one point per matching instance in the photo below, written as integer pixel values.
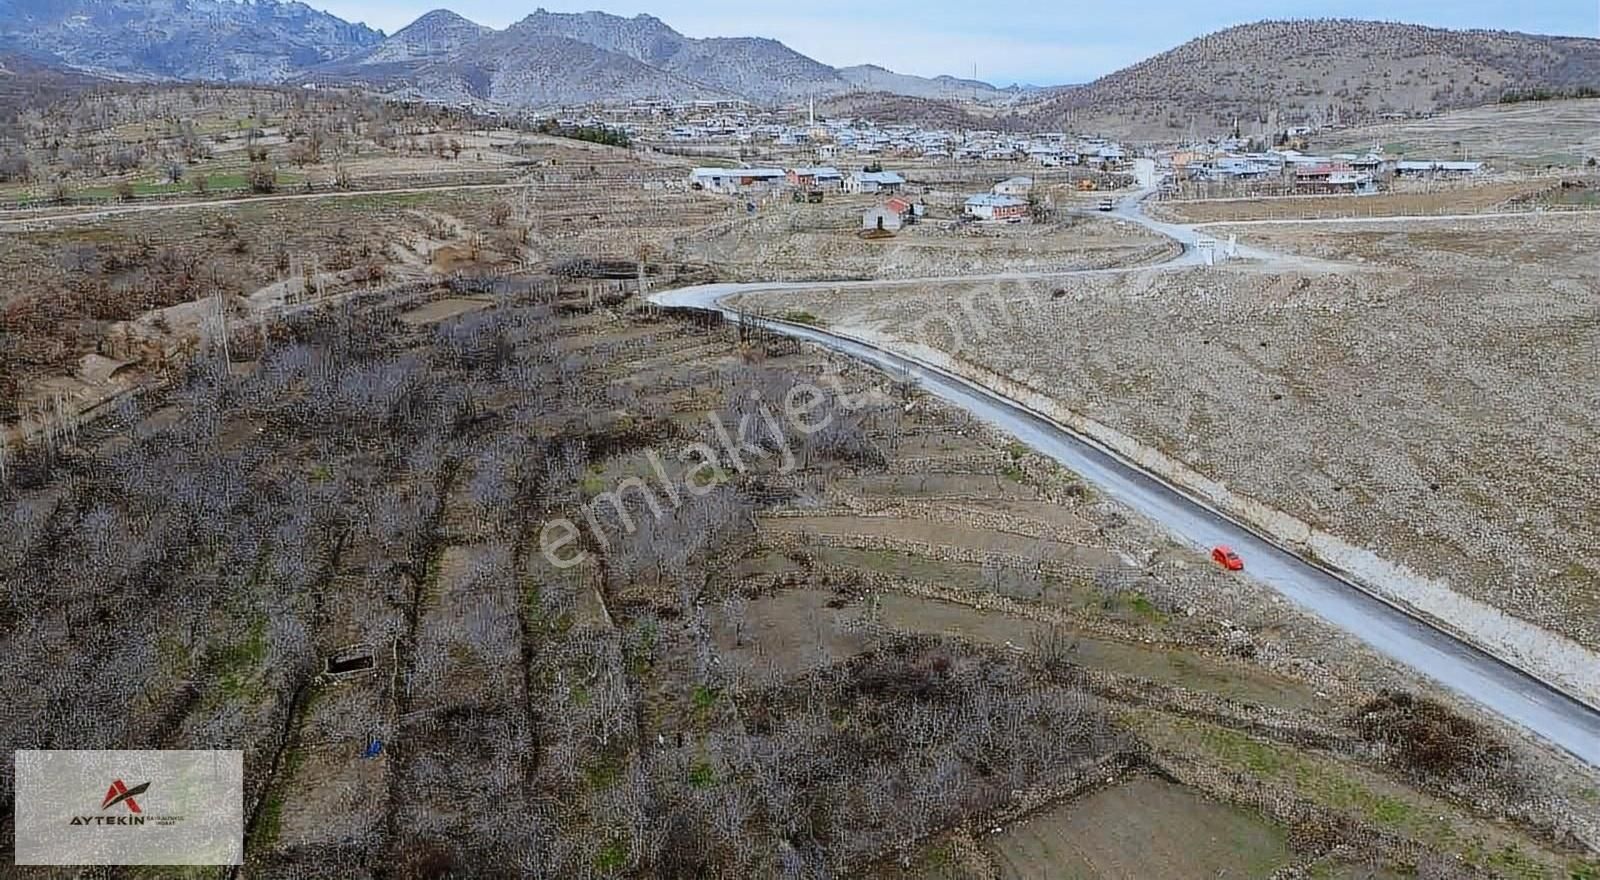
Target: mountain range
(1247, 75)
(225, 40)
(546, 58)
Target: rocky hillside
(437, 34)
(1310, 70)
(545, 58)
(759, 69)
(226, 40)
(444, 57)
(520, 69)
(26, 81)
(930, 112)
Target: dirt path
(1411, 218)
(45, 221)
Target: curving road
(1516, 696)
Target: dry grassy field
(821, 243)
(1433, 400)
(1532, 135)
(1408, 200)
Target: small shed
(905, 206)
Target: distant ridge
(28, 80)
(872, 78)
(546, 58)
(223, 40)
(1329, 69)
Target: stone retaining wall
(1119, 578)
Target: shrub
(1427, 737)
(262, 178)
(614, 137)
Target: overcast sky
(1007, 41)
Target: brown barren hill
(1324, 70)
(26, 81)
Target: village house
(735, 180)
(1019, 187)
(874, 182)
(989, 206)
(895, 212)
(1371, 163)
(816, 178)
(1332, 178)
(1048, 156)
(1458, 169)
(1431, 168)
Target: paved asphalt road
(1502, 689)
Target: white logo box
(142, 807)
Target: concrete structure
(882, 217)
(992, 207)
(1144, 173)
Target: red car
(1224, 556)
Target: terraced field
(419, 680)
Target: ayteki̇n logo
(122, 794)
(120, 808)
